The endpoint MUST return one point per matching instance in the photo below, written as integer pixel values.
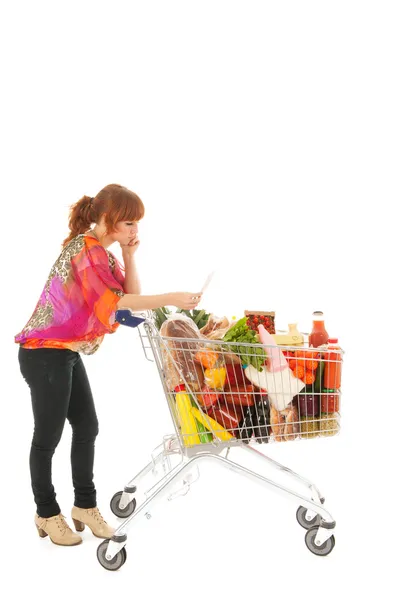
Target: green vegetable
(199, 317)
(319, 376)
(204, 435)
(249, 355)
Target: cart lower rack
(222, 396)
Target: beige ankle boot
(93, 519)
(58, 530)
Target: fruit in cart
(308, 378)
(215, 378)
(256, 318)
(312, 354)
(207, 357)
(312, 365)
(299, 372)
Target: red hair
(116, 202)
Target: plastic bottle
(318, 335)
(333, 365)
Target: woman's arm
(184, 300)
(132, 283)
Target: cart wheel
(325, 548)
(115, 563)
(122, 512)
(301, 518)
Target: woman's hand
(129, 250)
(186, 300)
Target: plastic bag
(215, 328)
(178, 357)
(281, 387)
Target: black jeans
(60, 390)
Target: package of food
(256, 318)
(178, 354)
(215, 328)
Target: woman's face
(125, 232)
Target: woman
(85, 287)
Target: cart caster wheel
(122, 512)
(301, 518)
(325, 548)
(115, 563)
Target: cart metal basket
(221, 395)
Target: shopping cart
(214, 408)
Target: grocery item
(186, 419)
(215, 327)
(309, 427)
(292, 338)
(330, 401)
(329, 424)
(178, 354)
(198, 316)
(308, 405)
(234, 374)
(207, 357)
(212, 425)
(276, 361)
(204, 435)
(333, 365)
(215, 378)
(281, 387)
(242, 395)
(256, 318)
(226, 415)
(318, 335)
(208, 397)
(239, 334)
(284, 423)
(256, 422)
(161, 315)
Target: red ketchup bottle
(318, 335)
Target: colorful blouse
(77, 306)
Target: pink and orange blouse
(78, 303)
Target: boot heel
(79, 526)
(41, 532)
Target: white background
(263, 138)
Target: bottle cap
(333, 341)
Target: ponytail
(82, 215)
